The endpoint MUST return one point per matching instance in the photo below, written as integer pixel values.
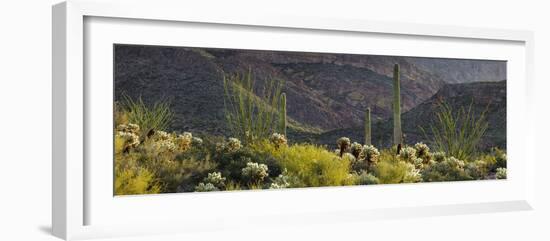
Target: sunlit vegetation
(258, 155)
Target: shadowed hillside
(490, 95)
(324, 91)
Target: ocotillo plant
(367, 127)
(282, 115)
(397, 135)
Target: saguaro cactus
(397, 135)
(282, 115)
(367, 127)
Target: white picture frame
(75, 201)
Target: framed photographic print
(178, 121)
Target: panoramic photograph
(190, 119)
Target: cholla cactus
(349, 157)
(233, 145)
(166, 146)
(438, 156)
(477, 169)
(208, 187)
(357, 151)
(343, 144)
(255, 172)
(422, 150)
(278, 140)
(500, 157)
(220, 147)
(455, 163)
(501, 173)
(130, 139)
(418, 163)
(216, 179)
(408, 154)
(412, 174)
(196, 141)
(132, 128)
(161, 135)
(280, 182)
(371, 153)
(184, 140)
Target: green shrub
(249, 116)
(501, 173)
(391, 169)
(451, 169)
(208, 187)
(364, 178)
(477, 170)
(312, 165)
(157, 116)
(500, 157)
(458, 133)
(135, 181)
(284, 180)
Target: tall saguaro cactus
(367, 127)
(397, 135)
(282, 115)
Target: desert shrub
(135, 181)
(216, 179)
(364, 178)
(233, 186)
(254, 172)
(391, 169)
(501, 173)
(490, 162)
(120, 115)
(478, 169)
(458, 133)
(208, 187)
(438, 156)
(500, 157)
(284, 180)
(230, 164)
(451, 169)
(157, 116)
(180, 175)
(312, 165)
(172, 159)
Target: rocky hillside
(324, 91)
(490, 96)
(463, 71)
